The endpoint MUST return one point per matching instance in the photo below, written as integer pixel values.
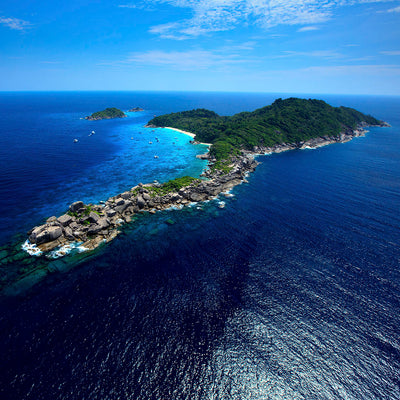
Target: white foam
(228, 193)
(66, 249)
(178, 207)
(31, 249)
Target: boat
(150, 142)
(75, 140)
(93, 132)
(155, 156)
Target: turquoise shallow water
(43, 170)
(289, 292)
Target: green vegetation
(222, 165)
(291, 120)
(135, 191)
(172, 186)
(86, 212)
(89, 209)
(108, 113)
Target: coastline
(86, 226)
(192, 135)
(93, 224)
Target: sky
(276, 46)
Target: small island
(136, 109)
(235, 141)
(108, 113)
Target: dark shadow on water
(143, 315)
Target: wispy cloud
(191, 60)
(308, 28)
(15, 23)
(185, 60)
(394, 10)
(220, 15)
(391, 53)
(323, 54)
(354, 70)
(138, 6)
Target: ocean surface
(292, 291)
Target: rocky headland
(93, 224)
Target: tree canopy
(108, 113)
(292, 120)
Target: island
(235, 142)
(136, 109)
(108, 113)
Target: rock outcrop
(94, 224)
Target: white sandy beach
(192, 135)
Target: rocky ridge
(93, 224)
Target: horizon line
(194, 91)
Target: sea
(290, 291)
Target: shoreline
(192, 135)
(86, 226)
(93, 224)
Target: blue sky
(292, 46)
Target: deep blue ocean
(292, 291)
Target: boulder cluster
(343, 137)
(93, 224)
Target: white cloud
(391, 53)
(129, 6)
(138, 6)
(355, 70)
(394, 10)
(326, 54)
(308, 28)
(189, 60)
(220, 15)
(15, 23)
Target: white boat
(75, 140)
(93, 132)
(150, 142)
(155, 156)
